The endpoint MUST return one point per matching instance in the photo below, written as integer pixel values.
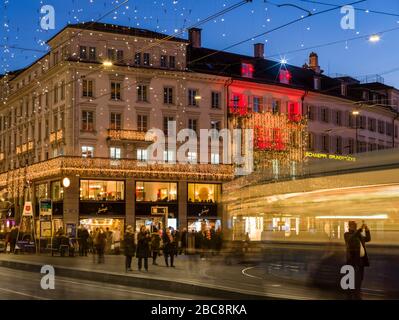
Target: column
(71, 201)
(130, 194)
(182, 204)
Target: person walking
(108, 243)
(183, 241)
(90, 242)
(116, 240)
(130, 247)
(143, 248)
(84, 240)
(170, 247)
(155, 245)
(101, 240)
(13, 238)
(356, 254)
(80, 244)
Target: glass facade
(102, 190)
(156, 191)
(203, 192)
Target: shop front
(202, 206)
(156, 205)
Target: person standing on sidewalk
(143, 248)
(155, 245)
(130, 247)
(170, 247)
(101, 240)
(85, 238)
(183, 242)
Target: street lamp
(66, 182)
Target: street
(22, 285)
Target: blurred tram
(317, 206)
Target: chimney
(194, 36)
(259, 50)
(314, 62)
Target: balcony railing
(131, 135)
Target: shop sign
(46, 207)
(329, 156)
(28, 209)
(159, 210)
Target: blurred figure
(85, 239)
(155, 245)
(143, 248)
(116, 240)
(183, 242)
(108, 243)
(90, 242)
(130, 247)
(170, 247)
(13, 238)
(218, 240)
(247, 242)
(101, 240)
(356, 254)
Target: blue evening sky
(20, 27)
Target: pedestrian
(183, 241)
(247, 242)
(143, 248)
(155, 245)
(108, 243)
(90, 242)
(170, 247)
(101, 240)
(356, 254)
(129, 247)
(219, 240)
(13, 238)
(80, 230)
(116, 241)
(212, 243)
(85, 239)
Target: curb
(154, 283)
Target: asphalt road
(22, 285)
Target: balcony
(128, 135)
(57, 136)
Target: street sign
(28, 209)
(46, 207)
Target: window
(166, 120)
(111, 54)
(83, 52)
(192, 124)
(62, 120)
(257, 104)
(156, 191)
(363, 122)
(102, 190)
(142, 154)
(137, 59)
(276, 106)
(338, 118)
(192, 97)
(311, 141)
(142, 93)
(215, 158)
(115, 121)
(247, 70)
(55, 94)
(87, 151)
(119, 56)
(146, 59)
(285, 76)
(351, 146)
(92, 54)
(55, 122)
(325, 142)
(215, 100)
(192, 157)
(164, 61)
(338, 144)
(168, 155)
(87, 88)
(87, 121)
(141, 122)
(63, 90)
(115, 153)
(372, 124)
(172, 62)
(57, 191)
(115, 91)
(325, 115)
(389, 129)
(202, 192)
(168, 95)
(41, 191)
(381, 127)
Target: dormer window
(343, 89)
(285, 76)
(316, 83)
(247, 70)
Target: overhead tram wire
(272, 30)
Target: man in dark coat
(13, 238)
(130, 247)
(170, 247)
(143, 248)
(356, 253)
(84, 239)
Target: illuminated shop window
(202, 192)
(57, 191)
(102, 190)
(156, 191)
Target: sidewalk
(192, 275)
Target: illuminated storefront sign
(329, 156)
